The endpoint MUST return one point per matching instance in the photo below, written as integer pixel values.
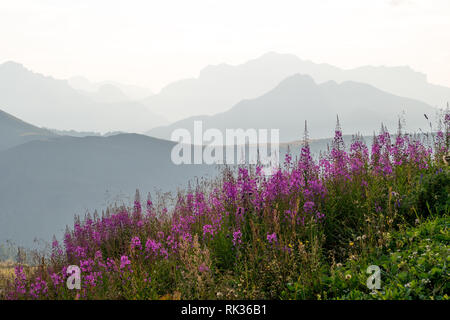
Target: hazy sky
(152, 43)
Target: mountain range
(53, 103)
(361, 107)
(81, 105)
(219, 87)
(109, 91)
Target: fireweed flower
(38, 288)
(308, 207)
(80, 252)
(272, 238)
(137, 206)
(288, 159)
(152, 246)
(92, 278)
(124, 261)
(237, 238)
(56, 279)
(55, 243)
(98, 255)
(203, 268)
(86, 265)
(56, 249)
(96, 236)
(208, 229)
(164, 253)
(136, 243)
(187, 237)
(160, 235)
(20, 280)
(111, 265)
(172, 243)
(64, 271)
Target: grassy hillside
(14, 132)
(309, 231)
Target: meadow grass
(6, 275)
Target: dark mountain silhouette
(14, 131)
(361, 107)
(219, 87)
(52, 103)
(45, 183)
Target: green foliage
(434, 192)
(413, 266)
(223, 251)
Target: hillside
(14, 131)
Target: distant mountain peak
(298, 78)
(268, 57)
(295, 83)
(13, 66)
(11, 63)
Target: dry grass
(6, 275)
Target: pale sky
(152, 43)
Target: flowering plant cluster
(246, 235)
